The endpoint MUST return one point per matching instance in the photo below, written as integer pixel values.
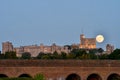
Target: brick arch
(113, 76)
(3, 75)
(94, 76)
(24, 75)
(73, 76)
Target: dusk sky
(29, 22)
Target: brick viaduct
(62, 69)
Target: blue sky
(28, 22)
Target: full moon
(99, 38)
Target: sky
(29, 22)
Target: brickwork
(57, 69)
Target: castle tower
(109, 48)
(87, 43)
(53, 47)
(7, 46)
(82, 37)
(41, 47)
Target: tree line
(74, 54)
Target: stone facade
(34, 50)
(87, 43)
(7, 46)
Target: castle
(87, 43)
(34, 50)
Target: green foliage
(55, 55)
(114, 79)
(85, 56)
(104, 56)
(100, 50)
(26, 55)
(115, 54)
(46, 56)
(1, 56)
(71, 56)
(93, 51)
(63, 55)
(93, 56)
(82, 54)
(39, 77)
(10, 55)
(40, 55)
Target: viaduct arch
(62, 69)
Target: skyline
(33, 22)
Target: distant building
(34, 50)
(7, 46)
(109, 48)
(87, 43)
(75, 46)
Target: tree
(115, 54)
(26, 55)
(93, 51)
(85, 56)
(1, 56)
(79, 53)
(71, 56)
(40, 55)
(63, 55)
(10, 55)
(46, 56)
(103, 56)
(93, 56)
(55, 55)
(100, 50)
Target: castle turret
(6, 47)
(109, 48)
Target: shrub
(39, 77)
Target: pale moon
(99, 38)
